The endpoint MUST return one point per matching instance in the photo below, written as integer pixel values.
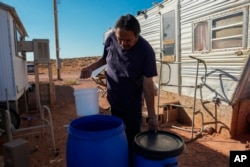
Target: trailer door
(170, 46)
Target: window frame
(168, 44)
(210, 20)
(18, 37)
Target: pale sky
(81, 23)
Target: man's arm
(148, 90)
(86, 71)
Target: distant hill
(72, 64)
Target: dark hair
(128, 22)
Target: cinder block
(16, 153)
(170, 114)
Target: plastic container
(157, 149)
(97, 141)
(86, 101)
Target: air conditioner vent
(41, 50)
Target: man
(131, 67)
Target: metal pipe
(45, 123)
(51, 129)
(8, 118)
(31, 128)
(8, 125)
(56, 38)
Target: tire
(15, 118)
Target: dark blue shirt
(125, 71)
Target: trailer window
(219, 33)
(18, 38)
(201, 41)
(168, 36)
(227, 32)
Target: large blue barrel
(157, 149)
(97, 141)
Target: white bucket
(86, 101)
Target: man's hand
(86, 73)
(153, 123)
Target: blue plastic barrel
(97, 141)
(157, 149)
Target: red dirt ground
(206, 151)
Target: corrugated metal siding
(150, 28)
(21, 77)
(191, 10)
(248, 46)
(6, 75)
(224, 67)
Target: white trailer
(13, 77)
(216, 32)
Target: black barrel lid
(158, 145)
